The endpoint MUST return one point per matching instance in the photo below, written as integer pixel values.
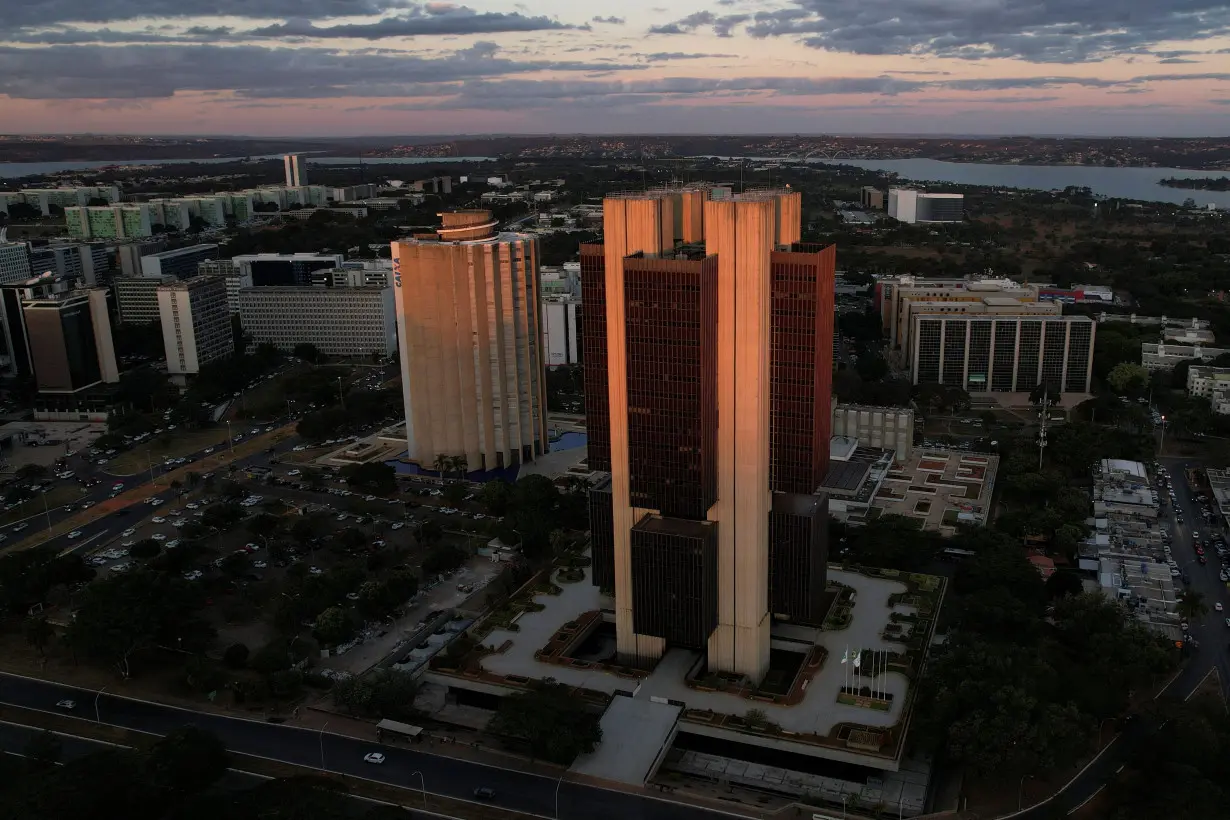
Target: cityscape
(770, 411)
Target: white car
(173, 543)
(74, 535)
(128, 533)
(194, 506)
(1217, 606)
(67, 704)
(397, 526)
(316, 571)
(158, 536)
(373, 757)
(158, 519)
(259, 564)
(157, 502)
(119, 568)
(294, 472)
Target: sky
(390, 67)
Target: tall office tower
(296, 170)
(196, 324)
(67, 335)
(14, 262)
(708, 338)
(471, 343)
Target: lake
(25, 169)
(1126, 183)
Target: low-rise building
(196, 325)
(43, 199)
(339, 321)
(128, 221)
(912, 206)
(1162, 356)
(885, 428)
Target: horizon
(336, 69)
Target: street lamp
(558, 783)
(1162, 444)
(97, 714)
(1100, 725)
(322, 745)
(340, 396)
(230, 441)
(1020, 792)
(422, 787)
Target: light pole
(1100, 725)
(1162, 444)
(558, 783)
(340, 396)
(97, 713)
(46, 509)
(322, 745)
(1020, 792)
(230, 441)
(422, 787)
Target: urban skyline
(737, 66)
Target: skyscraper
(470, 330)
(296, 170)
(708, 347)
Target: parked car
(373, 757)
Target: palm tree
(38, 632)
(1191, 605)
(462, 465)
(440, 463)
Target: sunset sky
(366, 67)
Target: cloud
(614, 21)
(662, 56)
(49, 12)
(722, 25)
(1040, 31)
(432, 19)
(92, 72)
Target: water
(1125, 183)
(9, 170)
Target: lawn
(56, 496)
(171, 445)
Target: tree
(31, 472)
(38, 632)
(373, 477)
(308, 352)
(1191, 605)
(1128, 377)
(333, 626)
(428, 532)
(185, 762)
(145, 549)
(496, 496)
(386, 693)
(443, 558)
(236, 655)
(551, 720)
(455, 494)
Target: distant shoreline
(1198, 183)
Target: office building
(128, 254)
(66, 335)
(228, 270)
(347, 322)
(14, 262)
(182, 263)
(471, 343)
(882, 428)
(1155, 356)
(564, 280)
(285, 269)
(97, 262)
(296, 170)
(1003, 354)
(64, 261)
(1212, 383)
(136, 298)
(433, 185)
(212, 209)
(872, 197)
(911, 206)
(895, 294)
(352, 192)
(42, 199)
(559, 330)
(708, 348)
(986, 306)
(352, 276)
(130, 221)
(196, 325)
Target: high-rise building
(129, 254)
(64, 261)
(911, 206)
(67, 335)
(284, 269)
(707, 337)
(235, 281)
(14, 262)
(339, 321)
(1003, 354)
(129, 221)
(559, 330)
(182, 263)
(296, 170)
(471, 343)
(42, 199)
(136, 298)
(196, 325)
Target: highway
(407, 767)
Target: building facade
(1165, 356)
(884, 428)
(229, 271)
(986, 306)
(43, 198)
(67, 336)
(136, 298)
(897, 295)
(707, 336)
(14, 262)
(471, 343)
(1003, 354)
(196, 325)
(129, 221)
(182, 263)
(285, 269)
(345, 322)
(911, 206)
(296, 170)
(559, 330)
(61, 260)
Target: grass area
(63, 494)
(174, 445)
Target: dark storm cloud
(50, 12)
(1042, 31)
(418, 21)
(69, 72)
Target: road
(407, 767)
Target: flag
(845, 656)
(858, 659)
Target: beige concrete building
(196, 324)
(884, 428)
(897, 293)
(473, 381)
(982, 306)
